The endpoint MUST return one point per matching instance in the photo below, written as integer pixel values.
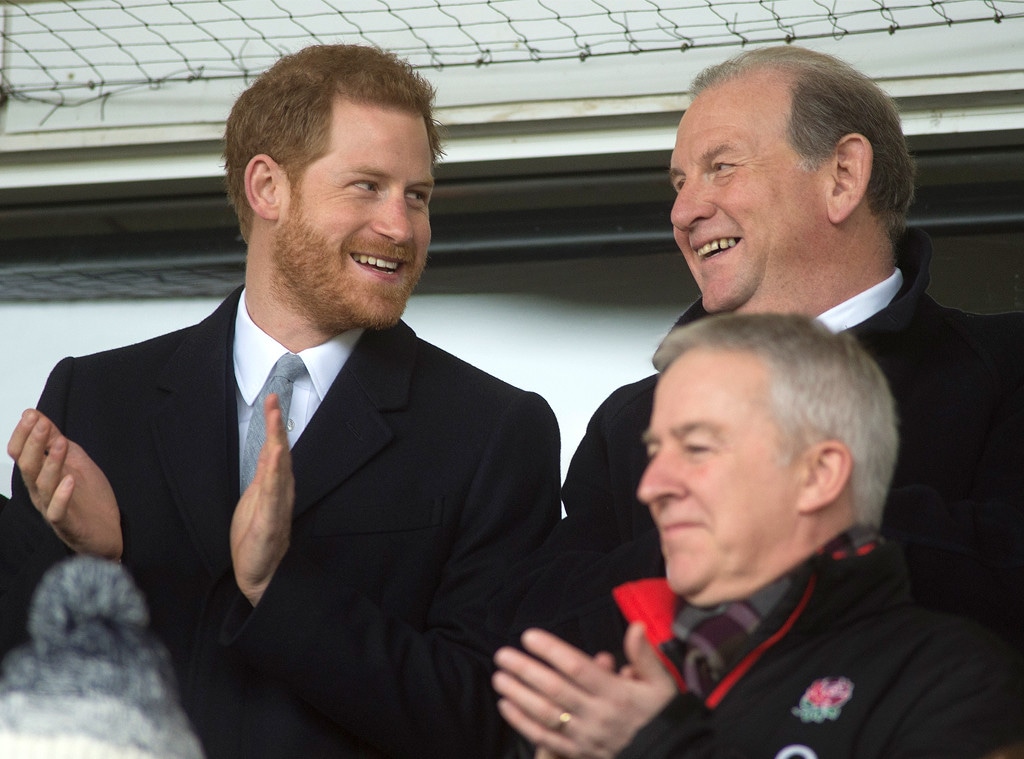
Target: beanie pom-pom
(78, 598)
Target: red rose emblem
(829, 692)
(824, 700)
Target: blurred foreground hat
(92, 681)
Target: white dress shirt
(255, 353)
(862, 306)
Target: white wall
(574, 357)
(38, 335)
(571, 330)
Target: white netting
(74, 51)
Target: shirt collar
(255, 353)
(864, 305)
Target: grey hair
(823, 386)
(829, 100)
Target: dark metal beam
(190, 246)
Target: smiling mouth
(378, 264)
(709, 249)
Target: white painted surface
(573, 343)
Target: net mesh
(74, 51)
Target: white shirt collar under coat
(255, 353)
(862, 306)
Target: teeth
(716, 245)
(378, 263)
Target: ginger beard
(323, 283)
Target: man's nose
(392, 218)
(653, 483)
(692, 203)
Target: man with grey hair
(783, 626)
(793, 180)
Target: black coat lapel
(196, 433)
(196, 429)
(349, 428)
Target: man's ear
(266, 187)
(850, 172)
(825, 470)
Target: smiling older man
(784, 627)
(793, 179)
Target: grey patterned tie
(287, 369)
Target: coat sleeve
(606, 538)
(957, 502)
(599, 494)
(681, 731)
(410, 691)
(968, 702)
(28, 546)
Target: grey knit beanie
(92, 681)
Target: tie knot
(289, 367)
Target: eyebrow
(707, 156)
(681, 431)
(376, 173)
(685, 429)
